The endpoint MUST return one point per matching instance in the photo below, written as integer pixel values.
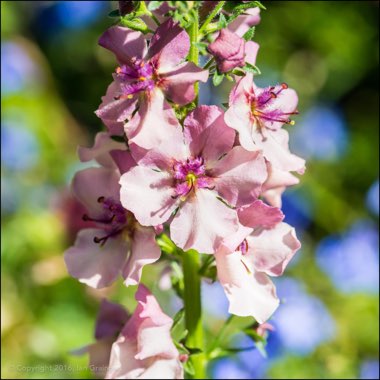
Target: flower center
(190, 175)
(264, 110)
(139, 76)
(114, 220)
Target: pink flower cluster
(214, 180)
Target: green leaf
(251, 69)
(153, 5)
(114, 13)
(178, 318)
(238, 71)
(211, 273)
(201, 47)
(253, 335)
(258, 4)
(135, 24)
(194, 351)
(183, 336)
(217, 79)
(240, 9)
(189, 368)
(261, 348)
(222, 21)
(249, 34)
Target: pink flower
(117, 244)
(197, 173)
(276, 184)
(248, 19)
(246, 258)
(232, 51)
(109, 323)
(258, 115)
(144, 349)
(144, 79)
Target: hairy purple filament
(114, 219)
(262, 110)
(243, 247)
(136, 77)
(189, 175)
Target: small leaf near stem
(211, 16)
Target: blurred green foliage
(327, 51)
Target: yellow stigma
(130, 96)
(292, 122)
(191, 178)
(142, 78)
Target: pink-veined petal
(114, 111)
(144, 251)
(242, 23)
(238, 115)
(169, 45)
(178, 83)
(239, 176)
(207, 134)
(275, 149)
(249, 293)
(125, 43)
(148, 195)
(270, 250)
(202, 222)
(123, 160)
(251, 50)
(122, 364)
(154, 122)
(93, 264)
(259, 214)
(90, 184)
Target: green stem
(211, 16)
(193, 310)
(191, 261)
(194, 52)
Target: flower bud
(228, 50)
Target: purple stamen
(104, 239)
(243, 247)
(114, 219)
(263, 106)
(190, 174)
(136, 77)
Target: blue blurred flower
(302, 323)
(79, 14)
(369, 369)
(352, 261)
(17, 69)
(10, 195)
(214, 300)
(297, 209)
(229, 368)
(19, 146)
(321, 134)
(373, 198)
(61, 15)
(252, 360)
